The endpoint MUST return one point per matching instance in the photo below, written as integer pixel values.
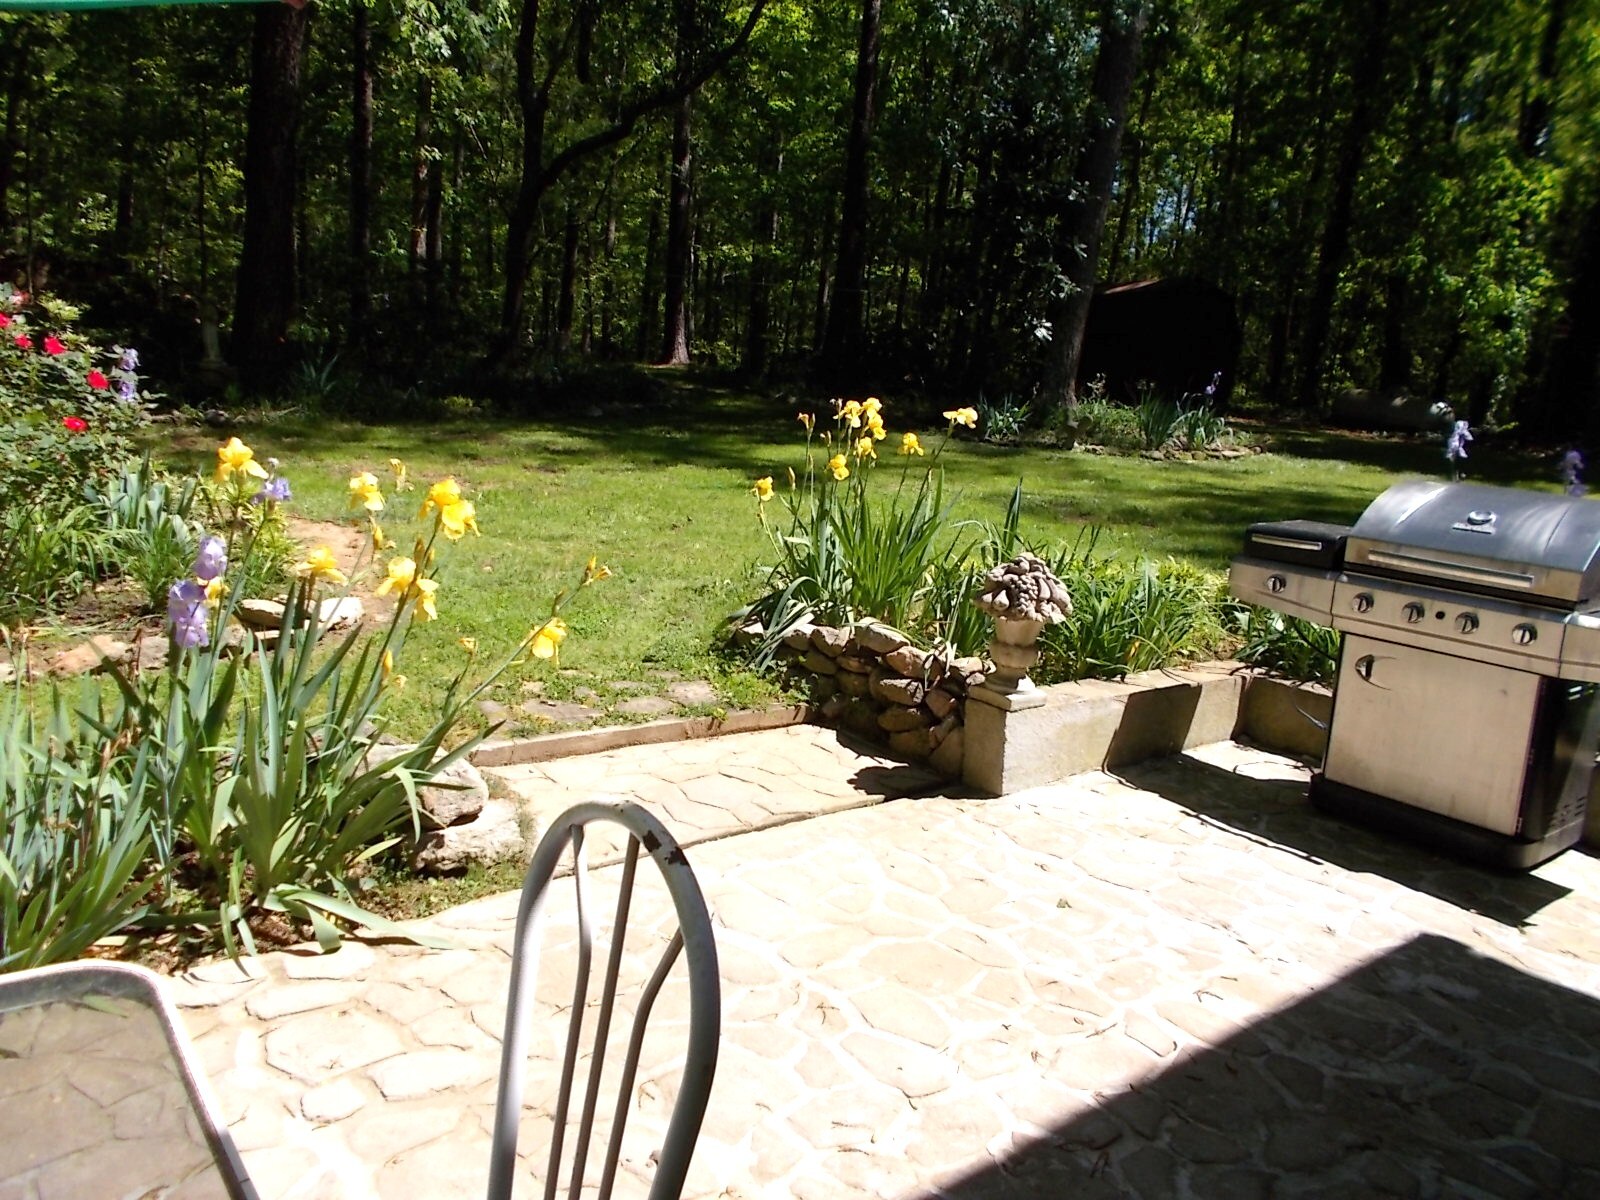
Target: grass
(662, 498)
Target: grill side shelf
(1283, 587)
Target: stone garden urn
(1023, 596)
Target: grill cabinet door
(1437, 732)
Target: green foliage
(74, 832)
(1287, 645)
(1157, 417)
(1103, 423)
(845, 552)
(1128, 616)
(48, 555)
(147, 519)
(1004, 420)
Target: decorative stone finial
(1024, 589)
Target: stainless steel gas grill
(1465, 710)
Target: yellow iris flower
(910, 444)
(234, 455)
(848, 411)
(425, 590)
(469, 644)
(364, 491)
(401, 483)
(320, 565)
(458, 518)
(875, 427)
(808, 420)
(962, 416)
(441, 495)
(215, 591)
(402, 574)
(865, 447)
(840, 469)
(388, 663)
(544, 641)
(763, 488)
(871, 406)
(595, 571)
(379, 542)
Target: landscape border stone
(507, 752)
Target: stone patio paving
(1177, 982)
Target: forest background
(442, 195)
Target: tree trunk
(644, 336)
(1366, 75)
(421, 171)
(265, 302)
(433, 240)
(1533, 129)
(567, 303)
(360, 282)
(1083, 219)
(764, 238)
(674, 315)
(842, 341)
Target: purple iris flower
(186, 613)
(275, 489)
(127, 389)
(212, 560)
(130, 359)
(1455, 442)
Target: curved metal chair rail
(693, 935)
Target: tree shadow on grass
(1429, 1071)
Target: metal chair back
(693, 940)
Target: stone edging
(544, 747)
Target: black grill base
(1438, 832)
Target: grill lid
(1536, 546)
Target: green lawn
(661, 497)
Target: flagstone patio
(1178, 981)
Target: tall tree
(360, 172)
(266, 290)
(675, 306)
(1083, 218)
(842, 342)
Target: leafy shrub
(1200, 428)
(1288, 645)
(1128, 616)
(68, 410)
(1115, 426)
(1158, 419)
(74, 836)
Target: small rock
(913, 743)
(854, 662)
(852, 684)
(585, 695)
(259, 614)
(907, 661)
(819, 663)
(947, 756)
(939, 701)
(153, 652)
(899, 691)
(533, 687)
(945, 728)
(692, 691)
(967, 667)
(823, 688)
(494, 710)
(832, 642)
(493, 836)
(454, 796)
(559, 710)
(878, 639)
(833, 707)
(749, 634)
(799, 638)
(646, 706)
(861, 717)
(93, 655)
(897, 719)
(340, 613)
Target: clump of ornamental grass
(843, 550)
(241, 775)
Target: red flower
(53, 346)
(75, 424)
(4, 320)
(98, 381)
(24, 342)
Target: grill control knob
(1276, 584)
(1524, 635)
(1414, 612)
(1363, 602)
(1467, 622)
